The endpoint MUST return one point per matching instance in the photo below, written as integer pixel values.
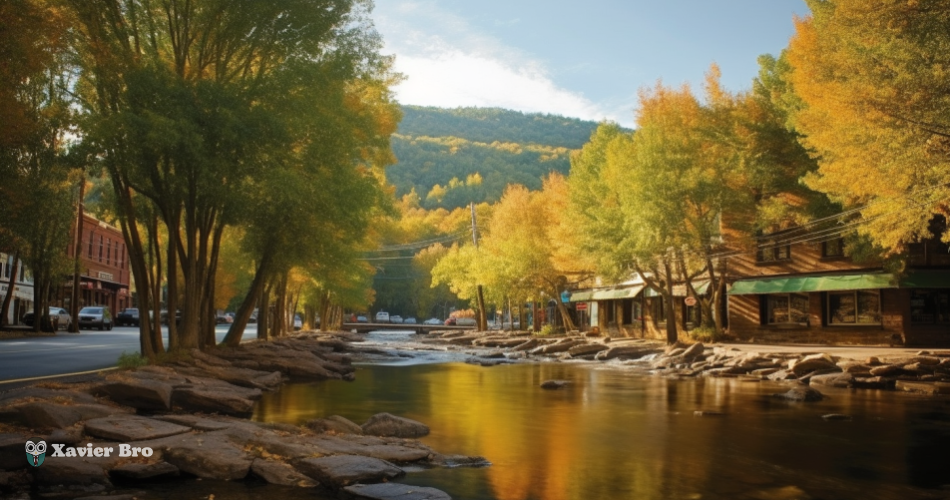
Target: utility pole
(482, 319)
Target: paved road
(71, 353)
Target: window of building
(92, 238)
(833, 248)
(100, 248)
(786, 308)
(659, 310)
(861, 307)
(929, 307)
(772, 253)
(109, 252)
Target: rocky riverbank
(924, 372)
(190, 414)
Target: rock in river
(554, 384)
(388, 425)
(394, 491)
(806, 394)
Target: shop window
(929, 307)
(784, 309)
(832, 249)
(861, 307)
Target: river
(614, 434)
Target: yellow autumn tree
(873, 78)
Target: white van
(382, 317)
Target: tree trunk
(5, 309)
(263, 315)
(482, 320)
(236, 331)
(671, 334)
(77, 267)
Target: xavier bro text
(125, 450)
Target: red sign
(690, 301)
(581, 306)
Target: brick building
(104, 268)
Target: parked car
(409, 321)
(395, 319)
(128, 316)
(362, 319)
(298, 322)
(465, 322)
(222, 319)
(450, 321)
(432, 321)
(95, 317)
(382, 317)
(57, 315)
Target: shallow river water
(613, 434)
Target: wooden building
(811, 292)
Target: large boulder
(887, 370)
(386, 424)
(627, 352)
(527, 345)
(343, 470)
(12, 455)
(139, 393)
(559, 347)
(212, 399)
(810, 364)
(586, 349)
(334, 423)
(280, 473)
(70, 471)
(842, 380)
(126, 428)
(48, 415)
(394, 491)
(694, 351)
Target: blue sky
(581, 59)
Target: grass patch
(705, 334)
(546, 331)
(131, 360)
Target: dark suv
(128, 316)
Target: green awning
(627, 292)
(813, 283)
(926, 279)
(679, 290)
(617, 293)
(581, 295)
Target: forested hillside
(455, 156)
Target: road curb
(60, 375)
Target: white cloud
(448, 64)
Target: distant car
(382, 317)
(432, 321)
(395, 319)
(222, 319)
(95, 317)
(409, 321)
(450, 321)
(465, 322)
(128, 316)
(57, 315)
(361, 319)
(298, 322)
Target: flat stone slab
(334, 423)
(144, 471)
(195, 422)
(923, 387)
(208, 456)
(343, 470)
(395, 491)
(127, 428)
(213, 400)
(139, 393)
(280, 473)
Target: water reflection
(613, 434)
